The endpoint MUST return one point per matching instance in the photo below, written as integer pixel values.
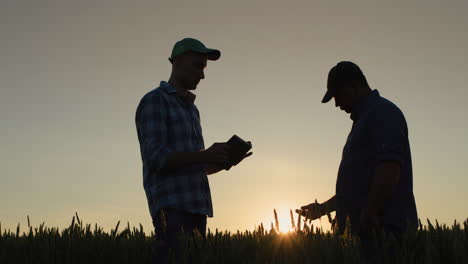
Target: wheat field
(86, 243)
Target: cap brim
(327, 97)
(213, 54)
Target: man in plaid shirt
(175, 162)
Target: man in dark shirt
(374, 187)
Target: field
(86, 243)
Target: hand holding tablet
(238, 149)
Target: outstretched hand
(311, 211)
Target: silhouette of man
(374, 187)
(175, 162)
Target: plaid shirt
(168, 123)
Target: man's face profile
(345, 98)
(190, 68)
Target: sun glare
(284, 220)
(286, 225)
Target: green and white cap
(191, 44)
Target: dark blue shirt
(379, 133)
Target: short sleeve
(388, 133)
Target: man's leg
(170, 225)
(197, 222)
(161, 247)
(379, 242)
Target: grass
(84, 243)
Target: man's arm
(330, 205)
(177, 160)
(317, 210)
(150, 120)
(389, 137)
(152, 131)
(387, 175)
(215, 168)
(216, 154)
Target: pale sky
(73, 72)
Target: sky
(72, 74)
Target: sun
(286, 227)
(284, 220)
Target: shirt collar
(190, 97)
(364, 104)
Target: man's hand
(218, 153)
(245, 156)
(213, 168)
(317, 210)
(311, 211)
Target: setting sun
(286, 225)
(284, 220)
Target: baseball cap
(191, 44)
(341, 74)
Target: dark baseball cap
(191, 44)
(340, 75)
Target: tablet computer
(237, 150)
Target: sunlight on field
(297, 183)
(285, 224)
(284, 219)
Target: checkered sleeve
(152, 132)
